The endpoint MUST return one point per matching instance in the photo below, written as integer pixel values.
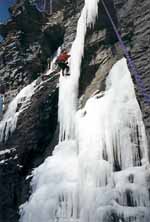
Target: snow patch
(3, 152)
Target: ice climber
(62, 61)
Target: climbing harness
(131, 64)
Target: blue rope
(131, 64)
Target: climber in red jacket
(62, 61)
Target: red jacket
(63, 57)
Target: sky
(4, 5)
(4, 14)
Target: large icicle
(85, 186)
(68, 86)
(116, 131)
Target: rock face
(30, 38)
(27, 44)
(134, 25)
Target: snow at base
(18, 104)
(102, 175)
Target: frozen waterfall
(68, 87)
(99, 171)
(102, 175)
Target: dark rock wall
(28, 42)
(134, 23)
(29, 39)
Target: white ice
(116, 127)
(3, 152)
(53, 63)
(99, 171)
(68, 86)
(18, 105)
(104, 171)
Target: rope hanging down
(131, 64)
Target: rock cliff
(30, 38)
